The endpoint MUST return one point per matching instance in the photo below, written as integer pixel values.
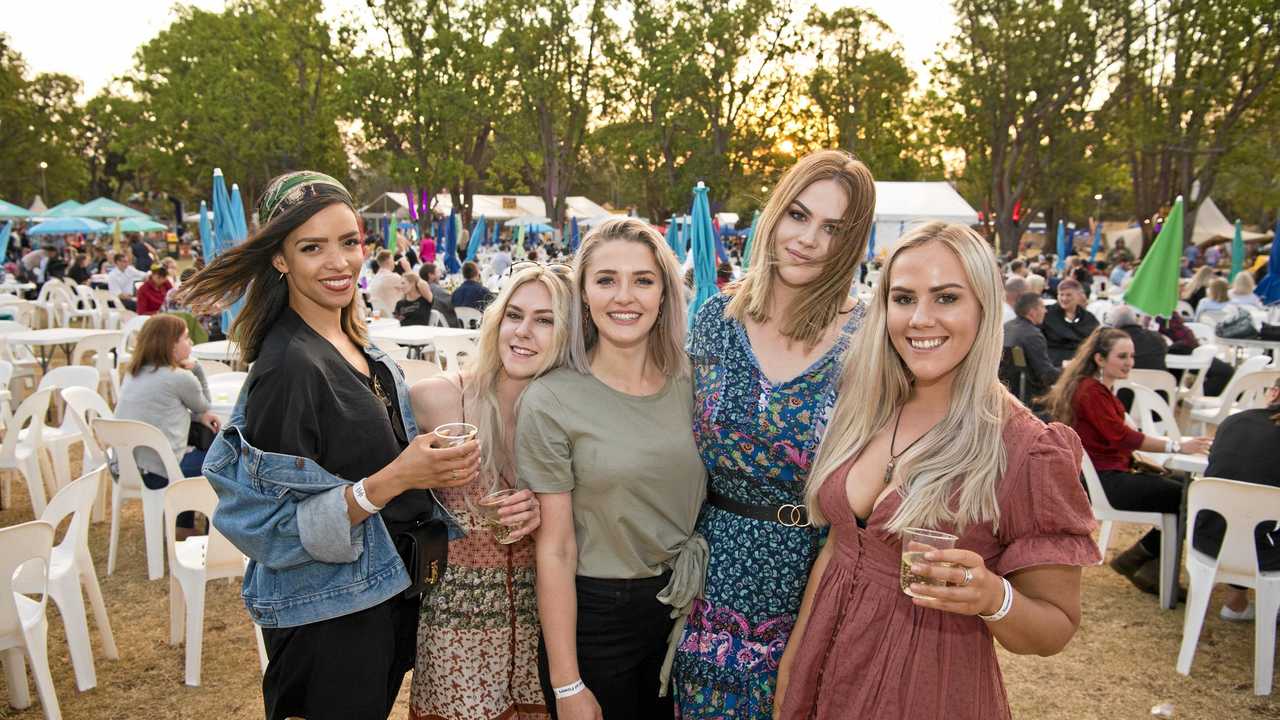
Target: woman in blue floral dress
(766, 359)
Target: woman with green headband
(322, 478)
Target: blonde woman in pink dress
(924, 435)
(478, 632)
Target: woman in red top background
(153, 290)
(1083, 399)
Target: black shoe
(1147, 579)
(1130, 561)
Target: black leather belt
(787, 515)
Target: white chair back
(452, 348)
(437, 318)
(102, 349)
(84, 406)
(469, 317)
(1154, 416)
(1158, 380)
(127, 334)
(30, 416)
(23, 623)
(196, 494)
(125, 436)
(70, 376)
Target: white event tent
(490, 207)
(901, 206)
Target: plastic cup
(488, 507)
(915, 543)
(455, 434)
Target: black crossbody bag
(424, 547)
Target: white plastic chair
(124, 351)
(1245, 391)
(60, 439)
(1185, 310)
(6, 398)
(84, 406)
(81, 304)
(70, 568)
(123, 436)
(451, 348)
(437, 318)
(1202, 331)
(1167, 522)
(20, 450)
(102, 347)
(192, 563)
(25, 364)
(469, 317)
(21, 310)
(46, 304)
(24, 627)
(1245, 506)
(114, 313)
(1158, 380)
(1191, 386)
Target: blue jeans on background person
(190, 467)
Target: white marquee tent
(490, 207)
(1211, 226)
(901, 206)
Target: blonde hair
(666, 338)
(485, 370)
(1243, 284)
(815, 308)
(960, 461)
(1200, 279)
(1218, 290)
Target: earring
(281, 277)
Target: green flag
(1154, 289)
(1237, 251)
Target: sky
(95, 40)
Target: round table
(417, 337)
(224, 389)
(1270, 346)
(44, 341)
(223, 351)
(16, 287)
(1183, 362)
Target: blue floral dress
(757, 441)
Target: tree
(38, 121)
(860, 90)
(104, 124)
(253, 90)
(1187, 82)
(1017, 80)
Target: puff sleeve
(1045, 516)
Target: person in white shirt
(121, 280)
(386, 288)
(501, 260)
(1014, 288)
(1241, 292)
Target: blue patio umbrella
(208, 246)
(69, 226)
(1269, 288)
(4, 238)
(751, 235)
(722, 253)
(478, 234)
(575, 235)
(237, 214)
(60, 210)
(1237, 251)
(497, 233)
(871, 244)
(1097, 243)
(9, 210)
(1062, 245)
(704, 252)
(673, 238)
(228, 218)
(105, 208)
(451, 244)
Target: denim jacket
(307, 562)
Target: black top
(141, 256)
(1023, 333)
(414, 312)
(471, 294)
(1149, 348)
(1064, 336)
(305, 399)
(79, 274)
(1246, 448)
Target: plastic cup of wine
(915, 543)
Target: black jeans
(1145, 493)
(622, 641)
(346, 668)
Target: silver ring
(968, 577)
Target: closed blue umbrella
(722, 253)
(871, 244)
(228, 219)
(208, 247)
(673, 238)
(751, 235)
(575, 235)
(1269, 288)
(478, 234)
(497, 233)
(1097, 243)
(1062, 245)
(4, 239)
(704, 252)
(237, 215)
(451, 244)
(69, 226)
(1237, 251)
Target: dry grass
(1118, 666)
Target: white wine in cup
(915, 543)
(487, 508)
(454, 434)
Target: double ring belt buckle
(793, 515)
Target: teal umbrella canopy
(62, 209)
(69, 226)
(105, 208)
(703, 247)
(9, 210)
(142, 224)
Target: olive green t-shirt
(631, 463)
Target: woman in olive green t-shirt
(608, 447)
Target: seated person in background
(1183, 342)
(385, 287)
(1082, 398)
(142, 255)
(1216, 298)
(1119, 273)
(1035, 284)
(164, 387)
(1149, 347)
(415, 308)
(471, 293)
(1014, 288)
(1241, 292)
(1023, 332)
(441, 299)
(171, 266)
(121, 279)
(1195, 288)
(152, 292)
(79, 271)
(1067, 323)
(501, 260)
(1245, 448)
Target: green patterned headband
(292, 188)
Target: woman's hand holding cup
(433, 462)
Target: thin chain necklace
(893, 439)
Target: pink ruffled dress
(868, 652)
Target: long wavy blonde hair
(485, 370)
(950, 476)
(814, 309)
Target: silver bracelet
(570, 690)
(1004, 606)
(362, 498)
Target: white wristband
(1004, 606)
(362, 498)
(570, 690)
